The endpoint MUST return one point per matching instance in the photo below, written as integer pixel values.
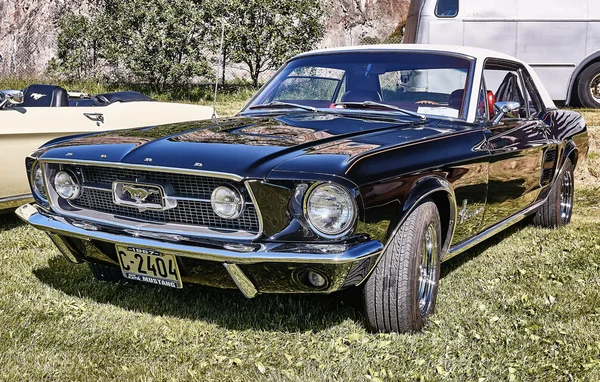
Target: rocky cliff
(28, 27)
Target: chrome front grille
(192, 193)
(183, 184)
(191, 212)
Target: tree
(263, 34)
(158, 41)
(77, 53)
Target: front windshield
(427, 83)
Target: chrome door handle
(96, 117)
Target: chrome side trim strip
(213, 174)
(241, 280)
(60, 226)
(14, 201)
(470, 243)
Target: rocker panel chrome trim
(14, 201)
(470, 243)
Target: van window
(446, 8)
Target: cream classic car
(41, 113)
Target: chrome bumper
(299, 253)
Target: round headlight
(227, 202)
(330, 209)
(38, 182)
(66, 185)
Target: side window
(534, 103)
(446, 8)
(507, 86)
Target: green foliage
(78, 45)
(263, 34)
(163, 42)
(158, 41)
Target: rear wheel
(104, 273)
(400, 294)
(558, 208)
(588, 87)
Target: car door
(517, 143)
(24, 129)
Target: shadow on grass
(229, 309)
(8, 221)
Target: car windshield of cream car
(412, 83)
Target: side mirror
(10, 97)
(504, 108)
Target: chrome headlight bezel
(38, 183)
(350, 221)
(237, 202)
(75, 184)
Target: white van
(559, 38)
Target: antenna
(219, 64)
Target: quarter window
(446, 8)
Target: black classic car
(365, 167)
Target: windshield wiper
(283, 104)
(367, 104)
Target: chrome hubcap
(595, 88)
(427, 270)
(566, 197)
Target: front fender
(436, 188)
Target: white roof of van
(479, 54)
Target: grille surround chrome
(149, 225)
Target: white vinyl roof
(479, 54)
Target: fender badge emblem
(69, 155)
(197, 164)
(148, 160)
(103, 156)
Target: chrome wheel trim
(427, 270)
(566, 197)
(595, 88)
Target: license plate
(149, 266)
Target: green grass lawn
(525, 305)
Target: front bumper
(253, 268)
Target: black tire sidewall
(583, 86)
(391, 294)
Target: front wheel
(400, 294)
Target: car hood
(247, 146)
